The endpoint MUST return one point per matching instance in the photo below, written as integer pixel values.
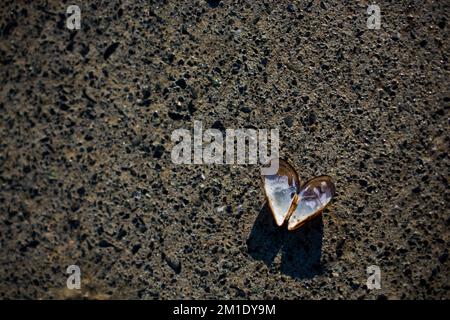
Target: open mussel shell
(313, 197)
(281, 191)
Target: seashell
(281, 191)
(313, 197)
(291, 203)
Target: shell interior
(313, 197)
(281, 191)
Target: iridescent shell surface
(281, 191)
(313, 197)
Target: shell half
(281, 191)
(313, 197)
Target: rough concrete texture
(87, 178)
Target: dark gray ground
(85, 169)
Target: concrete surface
(86, 176)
